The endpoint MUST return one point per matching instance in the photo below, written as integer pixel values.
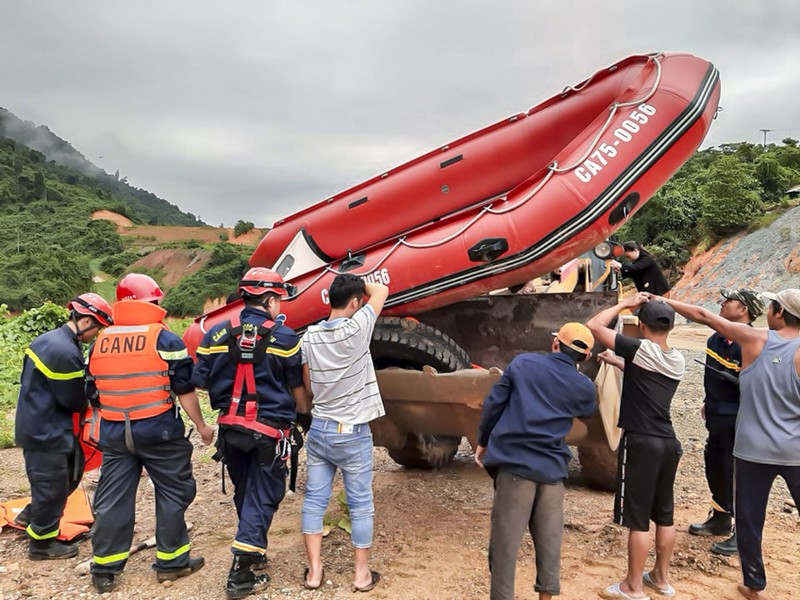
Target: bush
(242, 227)
(101, 239)
(117, 264)
(31, 279)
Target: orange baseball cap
(576, 336)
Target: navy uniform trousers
(170, 469)
(718, 456)
(53, 476)
(259, 487)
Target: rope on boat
(489, 208)
(612, 111)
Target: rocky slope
(766, 260)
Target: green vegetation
(116, 264)
(48, 192)
(242, 227)
(218, 278)
(719, 191)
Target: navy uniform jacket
(528, 414)
(722, 396)
(168, 425)
(51, 391)
(275, 376)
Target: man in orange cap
(525, 419)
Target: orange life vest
(87, 429)
(130, 375)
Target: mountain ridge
(145, 206)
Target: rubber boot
(51, 549)
(718, 523)
(726, 548)
(103, 582)
(259, 563)
(195, 564)
(242, 581)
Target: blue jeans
(327, 449)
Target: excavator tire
(409, 344)
(598, 467)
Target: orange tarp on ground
(77, 517)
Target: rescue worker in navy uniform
(51, 394)
(720, 407)
(251, 367)
(137, 369)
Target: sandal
(668, 591)
(614, 592)
(307, 585)
(376, 577)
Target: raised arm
(600, 324)
(751, 339)
(740, 333)
(377, 293)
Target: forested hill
(48, 192)
(36, 165)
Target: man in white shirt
(338, 373)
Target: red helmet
(136, 286)
(92, 305)
(258, 281)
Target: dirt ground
(431, 533)
(167, 233)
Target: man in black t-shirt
(720, 407)
(649, 451)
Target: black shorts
(645, 481)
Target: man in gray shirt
(768, 426)
(338, 373)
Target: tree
(773, 177)
(39, 188)
(732, 196)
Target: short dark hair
(573, 354)
(344, 287)
(260, 300)
(788, 317)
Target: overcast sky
(254, 109)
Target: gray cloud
(255, 109)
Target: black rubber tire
(409, 344)
(599, 468)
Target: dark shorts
(645, 481)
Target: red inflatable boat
(503, 205)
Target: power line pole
(765, 132)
